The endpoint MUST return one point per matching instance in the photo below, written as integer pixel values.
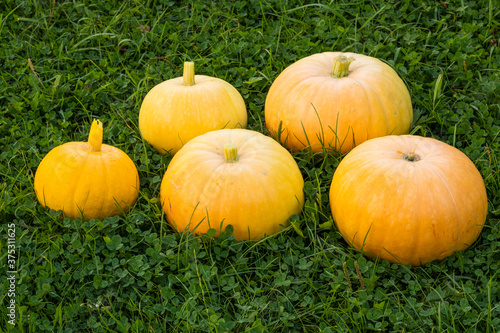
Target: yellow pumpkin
(179, 109)
(408, 199)
(88, 179)
(232, 176)
(336, 101)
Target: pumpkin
(408, 199)
(232, 176)
(179, 109)
(333, 101)
(88, 179)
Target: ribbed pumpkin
(408, 199)
(179, 109)
(336, 101)
(88, 179)
(238, 177)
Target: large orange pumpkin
(88, 179)
(238, 177)
(335, 101)
(179, 109)
(408, 199)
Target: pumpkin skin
(255, 194)
(92, 180)
(408, 211)
(177, 110)
(308, 107)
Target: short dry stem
(95, 136)
(230, 153)
(341, 66)
(188, 73)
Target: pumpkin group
(334, 101)
(408, 199)
(178, 110)
(402, 198)
(87, 179)
(238, 177)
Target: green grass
(64, 63)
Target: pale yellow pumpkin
(408, 199)
(179, 109)
(335, 101)
(87, 179)
(238, 177)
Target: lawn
(65, 63)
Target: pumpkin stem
(230, 153)
(341, 66)
(95, 136)
(188, 73)
(411, 157)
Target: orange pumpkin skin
(307, 107)
(255, 194)
(178, 110)
(409, 212)
(81, 182)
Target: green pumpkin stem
(341, 66)
(188, 74)
(230, 153)
(411, 157)
(95, 136)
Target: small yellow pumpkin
(179, 109)
(337, 100)
(88, 179)
(232, 176)
(408, 199)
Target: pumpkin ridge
(223, 176)
(268, 202)
(393, 81)
(335, 132)
(206, 188)
(311, 114)
(373, 93)
(393, 253)
(267, 194)
(348, 113)
(198, 112)
(229, 100)
(81, 171)
(282, 111)
(419, 226)
(382, 168)
(104, 198)
(314, 114)
(416, 224)
(437, 171)
(363, 166)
